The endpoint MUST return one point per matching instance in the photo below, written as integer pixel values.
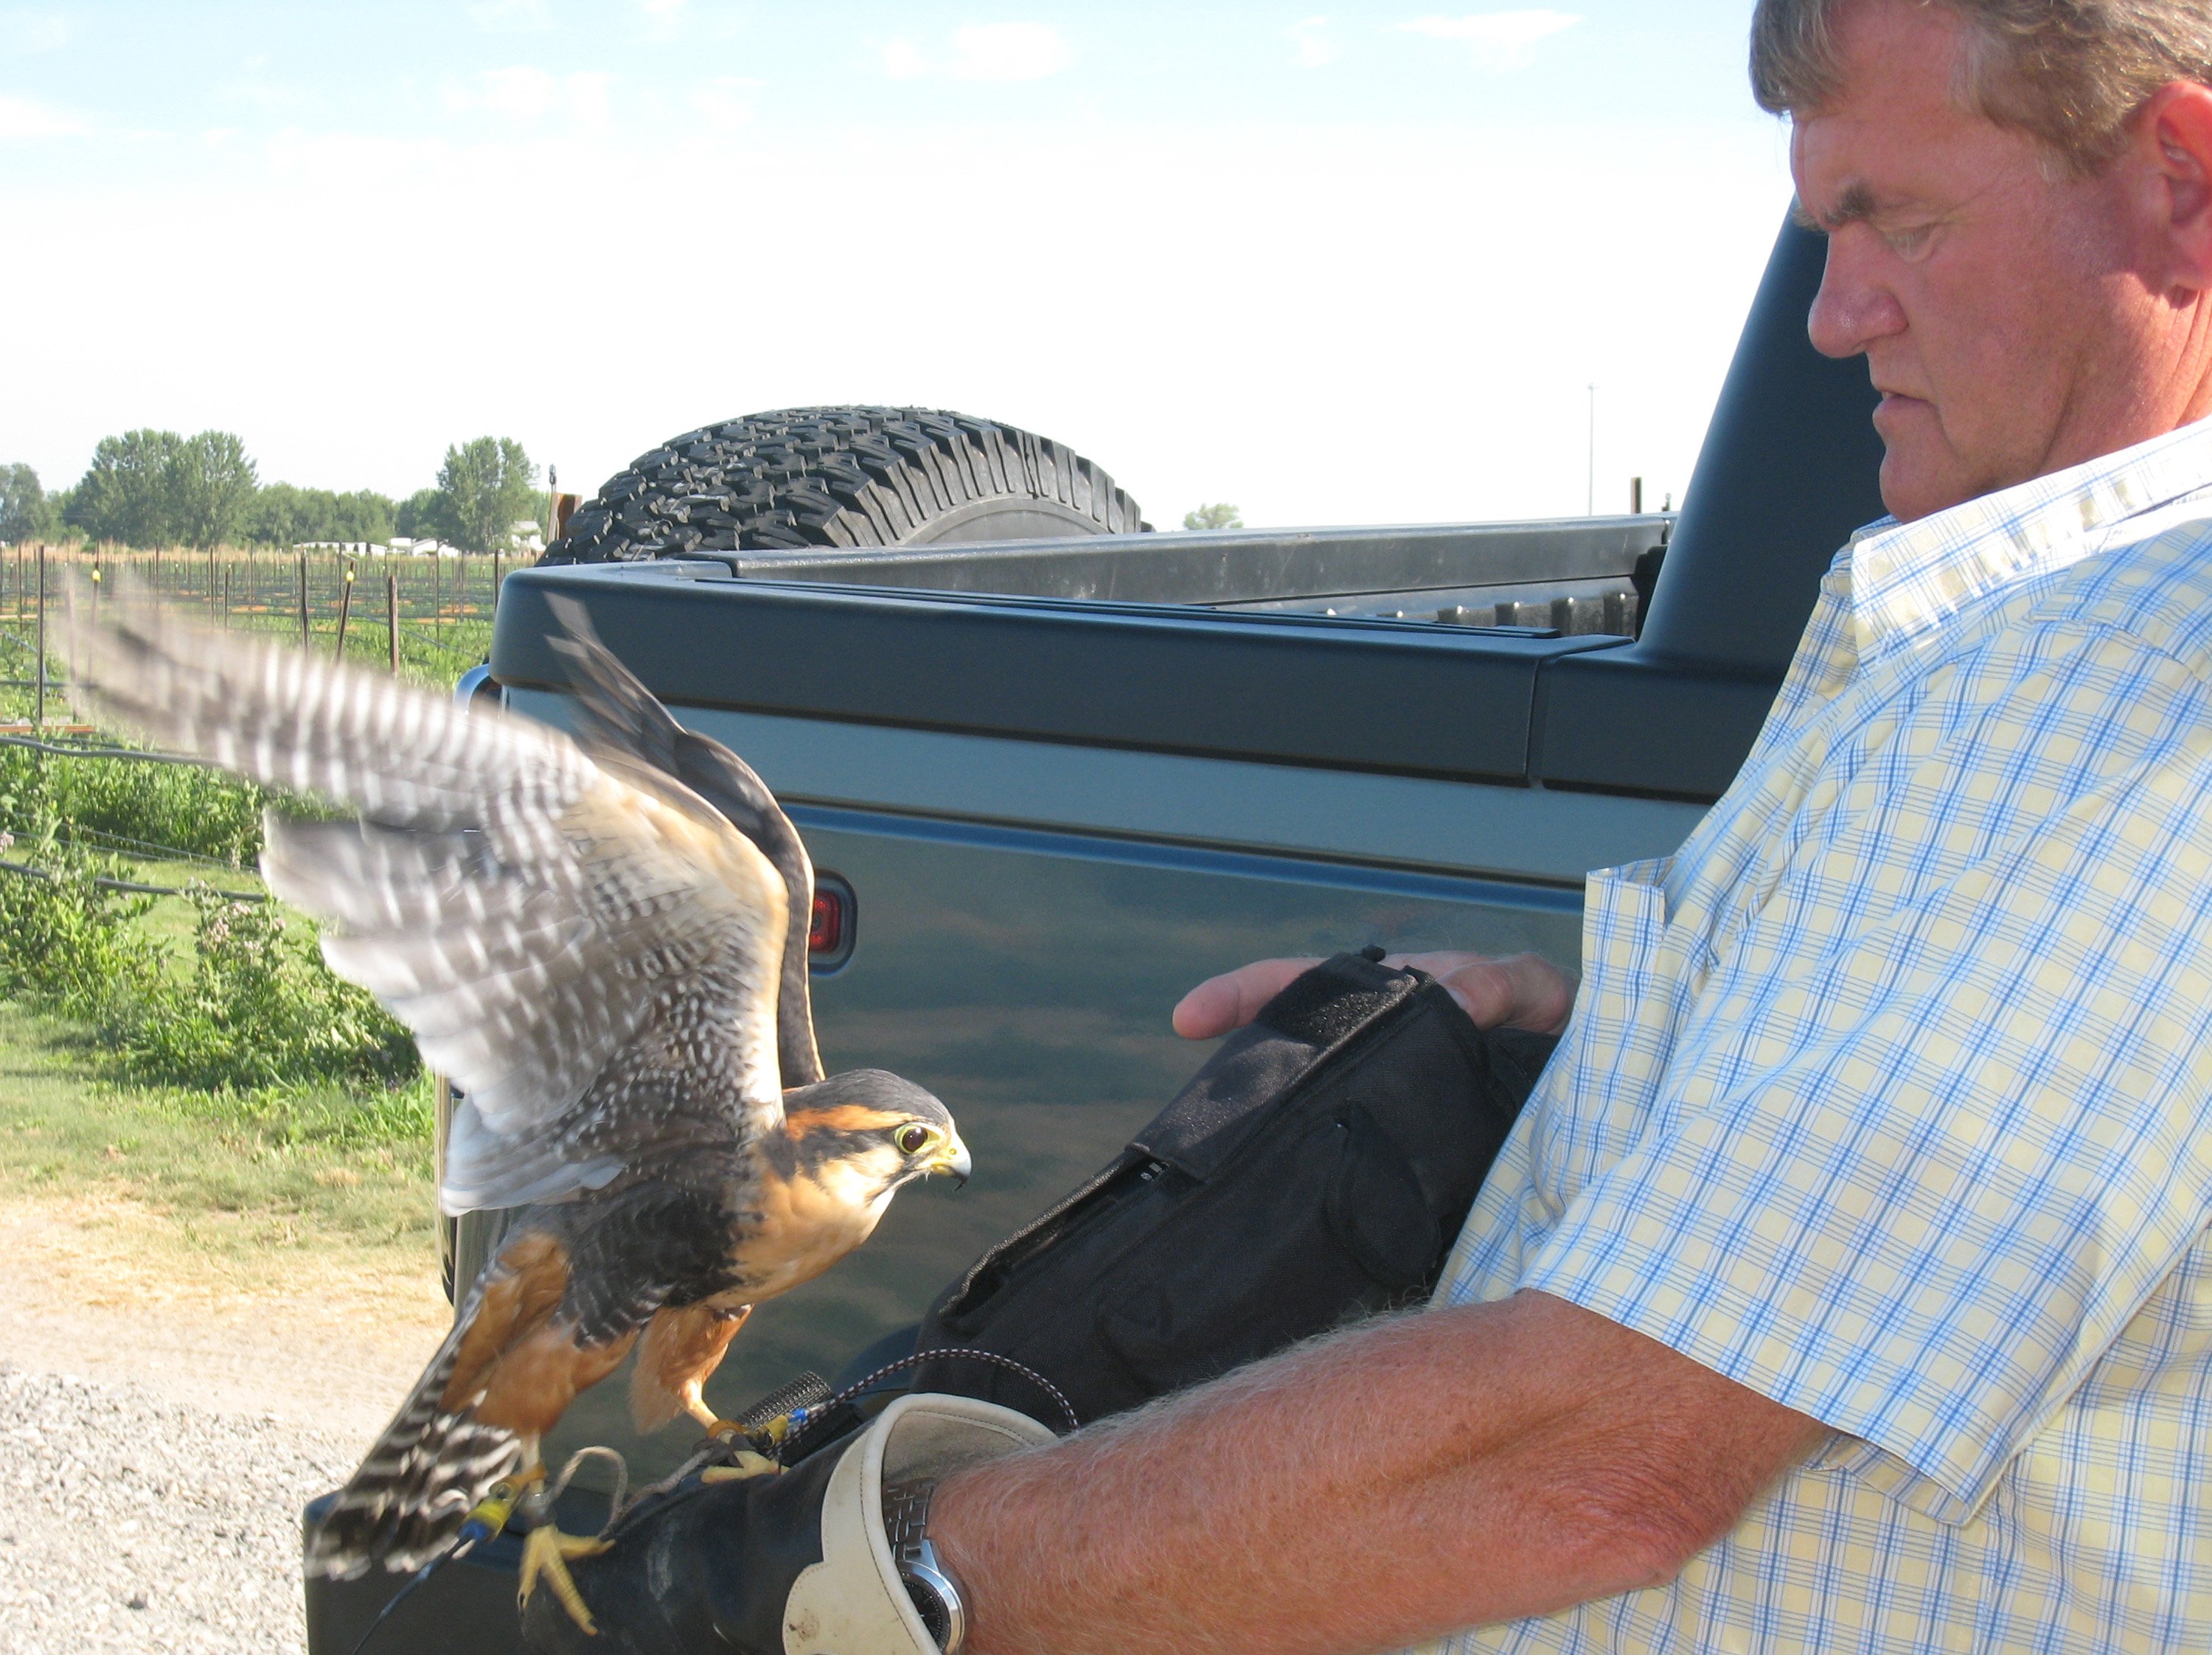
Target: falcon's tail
(407, 1502)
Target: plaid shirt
(1889, 1096)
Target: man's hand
(1518, 990)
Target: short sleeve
(1915, 1166)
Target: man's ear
(2170, 150)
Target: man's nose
(1855, 306)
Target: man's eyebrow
(1856, 204)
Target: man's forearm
(1440, 1471)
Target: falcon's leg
(546, 1550)
(529, 1390)
(682, 1348)
(679, 1353)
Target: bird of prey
(601, 940)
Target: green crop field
(442, 607)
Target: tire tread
(852, 477)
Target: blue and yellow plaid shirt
(1889, 1096)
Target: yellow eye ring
(913, 1140)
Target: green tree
(210, 484)
(422, 515)
(284, 515)
(281, 515)
(124, 494)
(484, 488)
(25, 512)
(364, 514)
(1220, 516)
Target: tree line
(154, 488)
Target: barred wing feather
(551, 923)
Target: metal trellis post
(42, 636)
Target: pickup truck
(1050, 782)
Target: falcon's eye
(913, 1140)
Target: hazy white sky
(1345, 264)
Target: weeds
(122, 803)
(71, 947)
(259, 1010)
(252, 1011)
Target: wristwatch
(935, 1594)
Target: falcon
(601, 940)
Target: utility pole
(1589, 503)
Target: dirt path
(104, 1289)
(165, 1409)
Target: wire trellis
(30, 870)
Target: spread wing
(580, 942)
(621, 713)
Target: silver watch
(928, 1582)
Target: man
(1845, 1285)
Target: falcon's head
(871, 1132)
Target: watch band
(935, 1594)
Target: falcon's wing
(621, 713)
(586, 948)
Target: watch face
(931, 1607)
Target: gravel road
(128, 1522)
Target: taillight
(827, 929)
(831, 927)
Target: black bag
(1318, 1168)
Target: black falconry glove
(796, 1562)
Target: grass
(234, 1176)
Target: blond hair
(2070, 73)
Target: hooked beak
(954, 1160)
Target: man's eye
(1909, 244)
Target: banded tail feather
(405, 1505)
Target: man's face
(1994, 303)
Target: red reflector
(825, 932)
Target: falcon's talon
(745, 1465)
(546, 1552)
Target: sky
(1341, 264)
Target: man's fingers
(1519, 991)
(1234, 999)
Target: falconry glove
(800, 1562)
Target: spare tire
(844, 477)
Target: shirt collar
(1906, 577)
